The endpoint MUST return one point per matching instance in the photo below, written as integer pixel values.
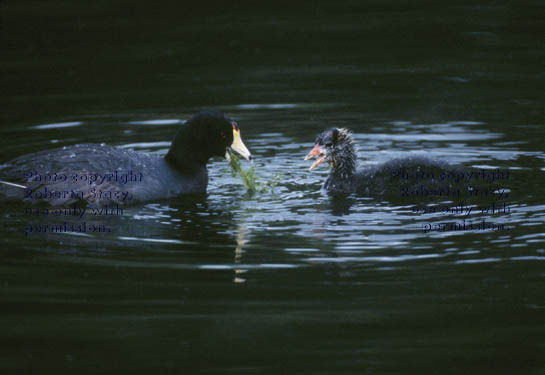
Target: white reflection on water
(431, 137)
(156, 122)
(246, 266)
(157, 240)
(266, 106)
(147, 145)
(482, 260)
(58, 125)
(400, 258)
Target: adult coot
(416, 176)
(98, 173)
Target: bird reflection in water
(241, 241)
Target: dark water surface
(289, 280)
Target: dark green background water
(290, 281)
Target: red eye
(223, 135)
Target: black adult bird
(98, 173)
(414, 176)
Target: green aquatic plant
(249, 177)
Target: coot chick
(414, 176)
(98, 173)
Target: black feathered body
(95, 173)
(60, 173)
